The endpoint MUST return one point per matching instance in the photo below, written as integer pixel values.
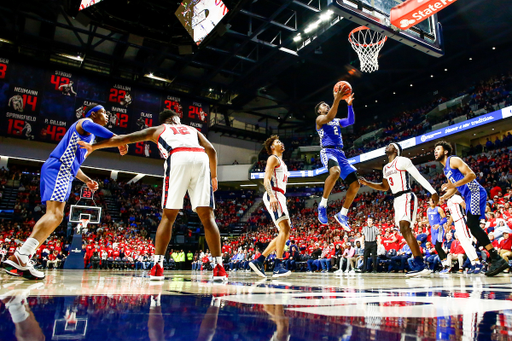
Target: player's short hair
(166, 114)
(318, 107)
(268, 143)
(446, 146)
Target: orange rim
(360, 28)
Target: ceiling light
(366, 106)
(376, 101)
(470, 58)
(211, 89)
(431, 76)
(493, 48)
(326, 16)
(68, 56)
(312, 26)
(2, 40)
(150, 75)
(297, 37)
(411, 84)
(249, 185)
(445, 69)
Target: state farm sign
(412, 12)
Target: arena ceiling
(246, 64)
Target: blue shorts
(337, 155)
(56, 181)
(437, 235)
(476, 202)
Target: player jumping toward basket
(276, 178)
(57, 176)
(333, 158)
(396, 177)
(190, 166)
(462, 178)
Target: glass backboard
(78, 212)
(426, 36)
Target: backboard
(427, 36)
(78, 212)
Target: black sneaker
(257, 266)
(497, 266)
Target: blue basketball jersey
(68, 151)
(455, 175)
(434, 218)
(330, 134)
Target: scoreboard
(40, 105)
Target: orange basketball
(343, 86)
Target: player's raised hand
(350, 99)
(215, 184)
(93, 185)
(86, 146)
(123, 149)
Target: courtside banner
(412, 12)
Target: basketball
(343, 86)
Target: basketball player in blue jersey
(462, 178)
(333, 158)
(437, 220)
(57, 175)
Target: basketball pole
(75, 259)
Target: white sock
(323, 202)
(474, 262)
(218, 260)
(445, 262)
(28, 249)
(159, 259)
(344, 211)
(18, 313)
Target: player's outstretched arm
(406, 164)
(272, 163)
(90, 127)
(383, 186)
(350, 120)
(149, 134)
(469, 175)
(324, 119)
(212, 156)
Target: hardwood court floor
(126, 305)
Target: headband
(398, 149)
(96, 108)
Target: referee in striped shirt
(370, 233)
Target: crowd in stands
(316, 248)
(483, 97)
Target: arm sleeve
(345, 122)
(93, 128)
(406, 164)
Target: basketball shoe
(219, 273)
(157, 273)
(418, 269)
(342, 220)
(15, 267)
(257, 266)
(322, 214)
(497, 266)
(280, 271)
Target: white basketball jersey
(280, 177)
(455, 208)
(177, 136)
(396, 175)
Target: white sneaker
(14, 267)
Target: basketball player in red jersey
(190, 161)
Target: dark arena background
(297, 260)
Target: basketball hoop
(367, 44)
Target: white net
(367, 44)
